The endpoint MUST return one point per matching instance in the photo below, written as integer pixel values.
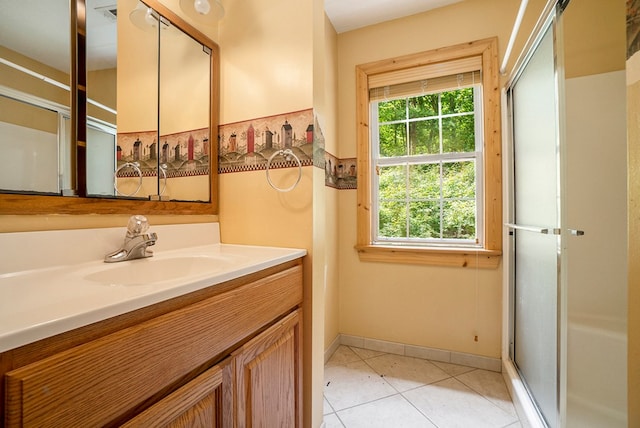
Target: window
(429, 186)
(427, 176)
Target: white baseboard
(464, 359)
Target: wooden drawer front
(269, 377)
(100, 381)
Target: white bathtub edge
(527, 412)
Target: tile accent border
(453, 357)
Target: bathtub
(596, 377)
(596, 372)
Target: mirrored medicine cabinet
(106, 106)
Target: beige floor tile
(353, 384)
(451, 404)
(343, 355)
(392, 411)
(332, 421)
(490, 385)
(405, 373)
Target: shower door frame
(550, 20)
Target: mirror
(184, 117)
(149, 116)
(35, 102)
(102, 95)
(130, 149)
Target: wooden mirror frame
(17, 204)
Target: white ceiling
(38, 29)
(346, 15)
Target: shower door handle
(534, 229)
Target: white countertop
(42, 302)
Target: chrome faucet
(136, 241)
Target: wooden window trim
(490, 255)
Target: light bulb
(202, 6)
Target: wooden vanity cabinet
(230, 359)
(268, 377)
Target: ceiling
(346, 15)
(43, 25)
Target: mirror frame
(18, 204)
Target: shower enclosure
(566, 219)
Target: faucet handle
(138, 224)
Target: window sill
(450, 257)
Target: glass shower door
(535, 228)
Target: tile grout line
(419, 411)
(401, 393)
(487, 399)
(357, 358)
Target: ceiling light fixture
(143, 17)
(204, 11)
(147, 19)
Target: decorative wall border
(247, 146)
(182, 154)
(633, 27)
(340, 174)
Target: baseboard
(332, 348)
(464, 359)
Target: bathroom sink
(155, 270)
(73, 289)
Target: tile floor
(372, 389)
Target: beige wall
(20, 81)
(137, 75)
(22, 114)
(102, 87)
(208, 27)
(595, 37)
(633, 237)
(426, 306)
(267, 68)
(329, 129)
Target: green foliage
(424, 137)
(428, 200)
(393, 140)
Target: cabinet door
(203, 402)
(269, 377)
